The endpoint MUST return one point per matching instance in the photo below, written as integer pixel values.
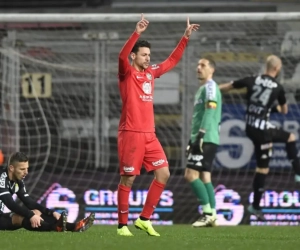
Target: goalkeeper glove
(197, 145)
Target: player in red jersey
(137, 142)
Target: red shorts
(136, 149)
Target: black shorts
(6, 222)
(263, 142)
(202, 162)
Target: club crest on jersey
(147, 88)
(149, 76)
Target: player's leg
(62, 225)
(263, 153)
(9, 222)
(280, 135)
(199, 165)
(131, 148)
(155, 160)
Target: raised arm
(125, 51)
(176, 54)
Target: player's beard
(145, 65)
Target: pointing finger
(142, 16)
(188, 21)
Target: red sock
(153, 197)
(123, 203)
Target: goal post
(60, 105)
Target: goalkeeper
(204, 141)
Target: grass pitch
(182, 237)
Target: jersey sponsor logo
(267, 83)
(16, 188)
(146, 98)
(210, 90)
(147, 88)
(2, 180)
(128, 169)
(139, 77)
(200, 101)
(195, 157)
(149, 76)
(154, 66)
(158, 163)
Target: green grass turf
(181, 237)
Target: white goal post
(153, 17)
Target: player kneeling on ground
(204, 141)
(33, 216)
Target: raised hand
(190, 28)
(142, 25)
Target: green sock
(211, 194)
(201, 193)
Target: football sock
(258, 188)
(200, 191)
(211, 195)
(45, 227)
(123, 204)
(153, 197)
(292, 153)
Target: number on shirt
(260, 95)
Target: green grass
(181, 237)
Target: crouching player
(32, 216)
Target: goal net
(60, 105)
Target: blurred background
(60, 102)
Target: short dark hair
(140, 44)
(211, 61)
(16, 158)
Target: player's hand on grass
(142, 25)
(36, 221)
(56, 215)
(190, 28)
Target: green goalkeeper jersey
(207, 112)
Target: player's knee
(37, 212)
(292, 138)
(262, 170)
(17, 220)
(127, 180)
(206, 177)
(190, 174)
(162, 175)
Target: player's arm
(237, 84)
(209, 113)
(176, 54)
(29, 202)
(6, 198)
(282, 107)
(126, 50)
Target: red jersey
(136, 88)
